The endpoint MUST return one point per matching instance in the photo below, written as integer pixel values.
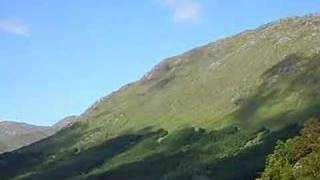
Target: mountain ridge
(213, 112)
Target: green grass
(217, 110)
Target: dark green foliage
(297, 158)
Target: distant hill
(14, 135)
(214, 112)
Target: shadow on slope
(289, 93)
(290, 89)
(204, 155)
(30, 157)
(82, 162)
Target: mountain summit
(214, 112)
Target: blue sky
(57, 57)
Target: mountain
(214, 112)
(14, 135)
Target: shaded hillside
(14, 135)
(214, 112)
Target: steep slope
(14, 135)
(213, 112)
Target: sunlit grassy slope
(213, 112)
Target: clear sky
(57, 57)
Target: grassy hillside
(211, 113)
